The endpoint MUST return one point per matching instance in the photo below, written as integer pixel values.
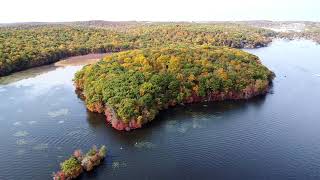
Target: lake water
(277, 136)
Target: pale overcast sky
(157, 10)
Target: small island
(74, 166)
(131, 87)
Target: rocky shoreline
(118, 124)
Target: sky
(157, 10)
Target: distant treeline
(293, 29)
(29, 45)
(313, 35)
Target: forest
(24, 48)
(131, 87)
(30, 45)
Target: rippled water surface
(276, 136)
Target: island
(132, 87)
(78, 162)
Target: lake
(276, 136)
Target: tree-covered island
(131, 87)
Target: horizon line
(184, 21)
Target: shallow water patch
(20, 152)
(144, 145)
(118, 164)
(182, 129)
(171, 124)
(18, 123)
(196, 124)
(2, 90)
(41, 147)
(32, 122)
(21, 142)
(21, 134)
(60, 112)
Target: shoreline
(66, 62)
(80, 60)
(91, 58)
(118, 124)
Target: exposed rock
(247, 93)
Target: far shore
(32, 72)
(80, 60)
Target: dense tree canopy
(232, 35)
(136, 84)
(26, 46)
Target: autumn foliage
(77, 163)
(23, 47)
(131, 87)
